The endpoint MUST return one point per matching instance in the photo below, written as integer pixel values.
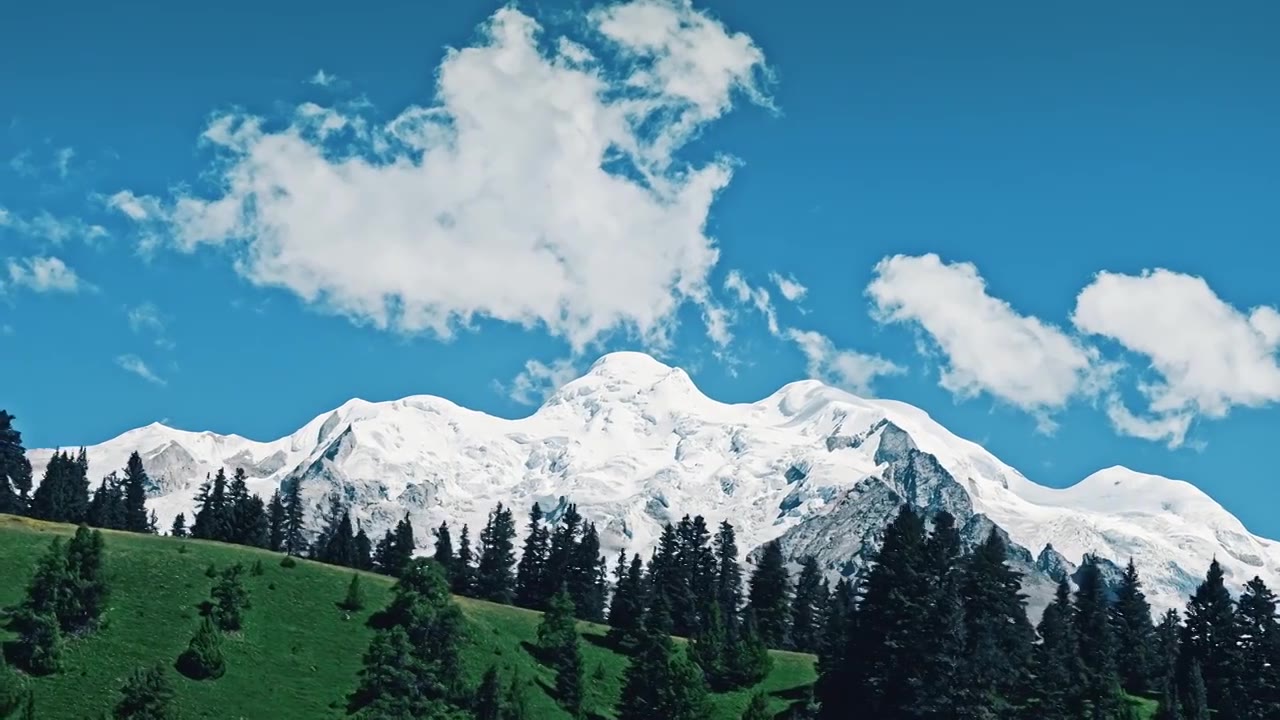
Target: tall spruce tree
(530, 581)
(1210, 641)
(626, 610)
(587, 581)
(179, 527)
(135, 484)
(495, 576)
(1134, 634)
(1059, 675)
(444, 549)
(463, 576)
(560, 554)
(15, 469)
(559, 649)
(806, 607)
(728, 575)
(292, 539)
(998, 635)
(106, 508)
(1195, 698)
(413, 666)
(364, 550)
(769, 598)
(1258, 631)
(659, 683)
(63, 493)
(230, 599)
(203, 658)
(837, 621)
(275, 522)
(1097, 645)
(1167, 637)
(943, 633)
(213, 511)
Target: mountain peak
(629, 364)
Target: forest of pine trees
(930, 629)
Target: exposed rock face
(635, 445)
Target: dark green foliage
(806, 607)
(337, 545)
(257, 570)
(1259, 636)
(202, 660)
(106, 508)
(495, 574)
(292, 539)
(709, 649)
(444, 548)
(179, 527)
(564, 538)
(1059, 674)
(395, 549)
(728, 574)
(354, 599)
(135, 484)
(1134, 634)
(1209, 640)
(147, 695)
(412, 667)
(769, 597)
(747, 660)
(275, 522)
(943, 634)
(39, 642)
(86, 590)
(15, 469)
(213, 511)
(757, 709)
(659, 683)
(29, 707)
(211, 571)
(63, 493)
(1100, 682)
(230, 599)
(626, 609)
(488, 697)
(1195, 700)
(530, 573)
(1165, 666)
(997, 633)
(65, 595)
(286, 562)
(462, 576)
(587, 577)
(364, 551)
(559, 649)
(836, 623)
(11, 689)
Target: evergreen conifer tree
(564, 539)
(559, 648)
(758, 708)
(275, 522)
(728, 575)
(15, 469)
(364, 551)
(213, 513)
(135, 495)
(339, 542)
(658, 683)
(463, 577)
(586, 581)
(230, 599)
(530, 580)
(1096, 643)
(1166, 666)
(203, 660)
(488, 698)
(1059, 674)
(87, 584)
(1258, 631)
(747, 660)
(179, 527)
(292, 539)
(1134, 634)
(943, 631)
(709, 648)
(146, 695)
(444, 549)
(1210, 640)
(63, 493)
(106, 508)
(806, 607)
(998, 635)
(1195, 702)
(354, 600)
(495, 573)
(626, 610)
(770, 595)
(412, 667)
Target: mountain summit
(635, 445)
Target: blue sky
(1053, 229)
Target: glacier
(635, 445)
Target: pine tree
(463, 577)
(106, 508)
(747, 660)
(943, 631)
(564, 539)
(15, 469)
(292, 539)
(1134, 634)
(837, 622)
(1059, 674)
(559, 648)
(275, 522)
(213, 514)
(1210, 640)
(587, 575)
(488, 699)
(1100, 682)
(179, 528)
(709, 648)
(203, 660)
(1195, 703)
(135, 495)
(354, 600)
(757, 709)
(998, 635)
(230, 599)
(444, 549)
(413, 666)
(337, 545)
(88, 586)
(39, 642)
(364, 551)
(63, 493)
(1166, 666)
(769, 596)
(147, 695)
(495, 574)
(1258, 631)
(626, 610)
(728, 575)
(530, 572)
(806, 607)
(658, 683)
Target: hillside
(635, 444)
(299, 653)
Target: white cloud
(135, 365)
(790, 288)
(146, 318)
(988, 346)
(538, 380)
(44, 274)
(1209, 356)
(322, 78)
(542, 188)
(51, 228)
(1170, 427)
(62, 161)
(756, 296)
(847, 369)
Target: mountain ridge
(635, 444)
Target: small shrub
(288, 562)
(257, 570)
(355, 596)
(211, 571)
(203, 657)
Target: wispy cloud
(323, 79)
(134, 364)
(51, 228)
(44, 275)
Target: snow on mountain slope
(635, 444)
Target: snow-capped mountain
(635, 444)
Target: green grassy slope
(299, 653)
